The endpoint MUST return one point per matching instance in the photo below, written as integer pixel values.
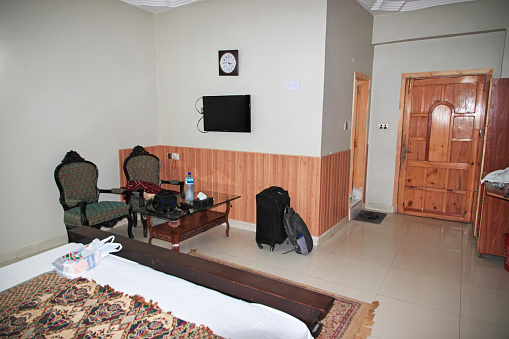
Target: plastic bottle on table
(189, 187)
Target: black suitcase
(270, 206)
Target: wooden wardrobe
(492, 213)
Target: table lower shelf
(188, 227)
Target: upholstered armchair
(142, 171)
(76, 179)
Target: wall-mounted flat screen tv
(227, 113)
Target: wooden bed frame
(308, 306)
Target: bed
(232, 304)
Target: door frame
(488, 72)
(364, 110)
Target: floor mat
(370, 216)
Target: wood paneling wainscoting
(318, 187)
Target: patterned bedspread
(50, 306)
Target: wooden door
(442, 120)
(359, 142)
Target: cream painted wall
(277, 41)
(474, 51)
(74, 74)
(345, 53)
(461, 18)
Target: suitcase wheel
(260, 245)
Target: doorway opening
(359, 142)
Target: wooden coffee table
(182, 224)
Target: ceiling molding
(377, 7)
(156, 6)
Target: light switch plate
(292, 85)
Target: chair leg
(135, 219)
(144, 222)
(130, 225)
(67, 228)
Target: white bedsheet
(226, 316)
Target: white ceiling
(375, 7)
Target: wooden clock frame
(235, 71)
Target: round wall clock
(229, 62)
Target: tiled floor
(425, 273)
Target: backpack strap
(290, 231)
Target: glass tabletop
(183, 209)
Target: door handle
(404, 152)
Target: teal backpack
(297, 231)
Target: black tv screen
(227, 113)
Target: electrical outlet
(383, 126)
(175, 156)
(292, 85)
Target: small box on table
(199, 204)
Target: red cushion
(148, 187)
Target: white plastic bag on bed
(73, 264)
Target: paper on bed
(226, 316)
(73, 264)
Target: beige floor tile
(396, 319)
(475, 329)
(351, 272)
(373, 251)
(423, 290)
(485, 304)
(435, 236)
(439, 262)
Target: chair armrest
(175, 182)
(114, 190)
(83, 212)
(127, 193)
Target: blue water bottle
(189, 187)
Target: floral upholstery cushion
(97, 213)
(145, 168)
(79, 182)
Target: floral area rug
(50, 306)
(347, 318)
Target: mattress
(226, 316)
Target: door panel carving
(440, 126)
(441, 122)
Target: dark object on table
(76, 179)
(199, 204)
(270, 206)
(142, 166)
(164, 201)
(185, 206)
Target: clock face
(228, 62)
